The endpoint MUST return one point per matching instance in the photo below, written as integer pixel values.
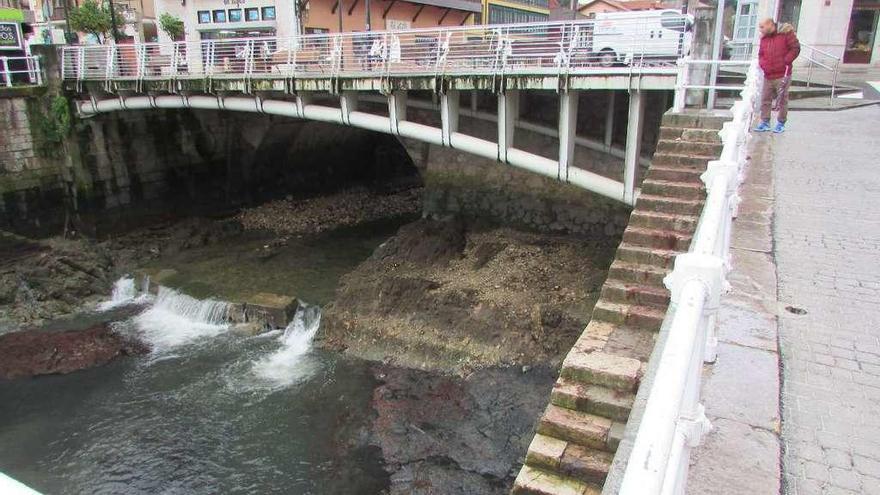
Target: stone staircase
(579, 432)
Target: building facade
(845, 28)
(218, 19)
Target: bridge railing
(673, 420)
(20, 70)
(560, 47)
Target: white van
(628, 37)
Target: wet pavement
(809, 206)
(741, 390)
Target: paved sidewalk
(827, 246)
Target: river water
(209, 410)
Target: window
(204, 16)
(252, 14)
(268, 13)
(219, 16)
(235, 15)
(673, 21)
(506, 15)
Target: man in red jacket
(779, 48)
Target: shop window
(268, 13)
(219, 16)
(861, 35)
(204, 16)
(235, 15)
(252, 14)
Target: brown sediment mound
(439, 296)
(35, 352)
(321, 214)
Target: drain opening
(796, 310)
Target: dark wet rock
(42, 280)
(36, 352)
(447, 434)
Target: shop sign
(395, 25)
(10, 36)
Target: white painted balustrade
(13, 67)
(673, 421)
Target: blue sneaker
(764, 126)
(780, 127)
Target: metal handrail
(548, 48)
(674, 421)
(833, 68)
(32, 69)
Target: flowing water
(209, 409)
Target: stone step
(637, 273)
(660, 258)
(599, 368)
(616, 291)
(568, 460)
(676, 174)
(535, 481)
(630, 315)
(668, 159)
(691, 135)
(669, 205)
(684, 190)
(633, 343)
(593, 399)
(663, 221)
(576, 427)
(694, 121)
(682, 147)
(656, 238)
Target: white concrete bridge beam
(634, 127)
(508, 113)
(396, 110)
(449, 111)
(568, 110)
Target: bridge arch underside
(598, 141)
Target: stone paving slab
(827, 245)
(741, 390)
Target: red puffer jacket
(778, 52)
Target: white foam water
(124, 292)
(176, 319)
(290, 363)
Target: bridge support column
(609, 121)
(396, 109)
(449, 103)
(302, 99)
(634, 128)
(568, 109)
(508, 112)
(348, 102)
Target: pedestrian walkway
(827, 246)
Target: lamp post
(367, 22)
(113, 22)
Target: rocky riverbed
(462, 325)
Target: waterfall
(175, 319)
(124, 292)
(289, 364)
